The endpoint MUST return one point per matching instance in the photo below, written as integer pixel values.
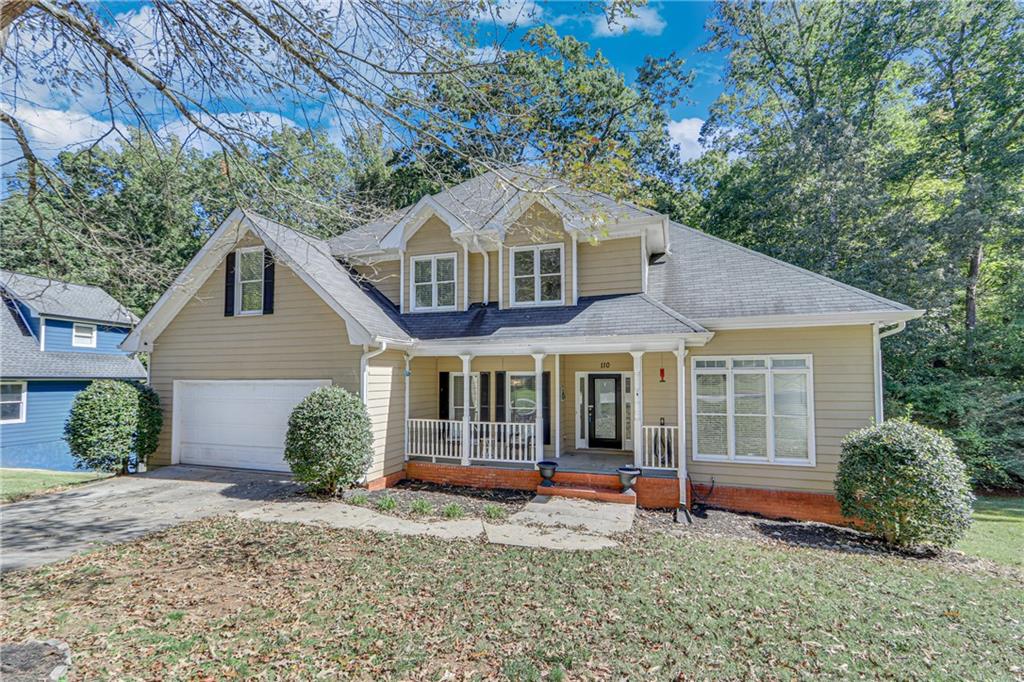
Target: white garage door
(239, 424)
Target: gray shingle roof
(314, 257)
(477, 203)
(707, 278)
(60, 299)
(20, 357)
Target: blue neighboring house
(55, 338)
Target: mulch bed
(711, 522)
(472, 500)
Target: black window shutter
(442, 395)
(229, 285)
(268, 282)
(499, 396)
(485, 396)
(545, 381)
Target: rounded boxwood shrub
(906, 483)
(329, 444)
(113, 425)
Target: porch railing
(488, 441)
(660, 447)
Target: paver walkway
(545, 522)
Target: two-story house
(511, 319)
(55, 338)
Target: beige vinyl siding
(611, 266)
(537, 225)
(843, 400)
(302, 339)
(434, 237)
(385, 404)
(386, 276)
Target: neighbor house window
(12, 402)
(754, 409)
(83, 335)
(433, 282)
(249, 281)
(522, 398)
(456, 396)
(536, 276)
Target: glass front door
(604, 411)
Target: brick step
(584, 492)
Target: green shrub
(328, 445)
(422, 507)
(453, 511)
(387, 503)
(906, 483)
(113, 425)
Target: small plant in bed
(421, 507)
(494, 512)
(387, 503)
(328, 445)
(360, 499)
(453, 511)
(906, 484)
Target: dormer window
(433, 283)
(249, 281)
(83, 335)
(536, 277)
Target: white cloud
(645, 20)
(52, 131)
(513, 12)
(686, 133)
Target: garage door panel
(239, 424)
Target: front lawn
(997, 531)
(228, 597)
(16, 484)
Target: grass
(16, 484)
(997, 533)
(231, 597)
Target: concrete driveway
(52, 527)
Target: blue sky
(58, 121)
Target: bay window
(536, 275)
(754, 409)
(433, 282)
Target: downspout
(878, 335)
(364, 366)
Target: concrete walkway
(545, 522)
(54, 526)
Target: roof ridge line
(843, 285)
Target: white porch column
(466, 440)
(556, 396)
(638, 406)
(681, 420)
(538, 383)
(405, 424)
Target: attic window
(83, 335)
(249, 281)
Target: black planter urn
(627, 478)
(547, 472)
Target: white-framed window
(13, 402)
(249, 281)
(433, 282)
(521, 397)
(756, 409)
(83, 335)
(455, 396)
(536, 274)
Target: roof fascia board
(424, 209)
(90, 320)
(579, 345)
(808, 320)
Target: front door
(604, 411)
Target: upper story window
(12, 402)
(433, 282)
(83, 335)
(249, 281)
(754, 409)
(536, 277)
